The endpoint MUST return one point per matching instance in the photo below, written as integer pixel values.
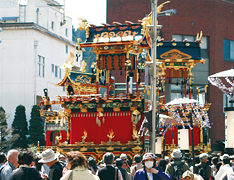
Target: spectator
(125, 159)
(203, 167)
(92, 165)
(51, 160)
(2, 159)
(125, 166)
(109, 172)
(77, 165)
(12, 164)
(188, 175)
(137, 159)
(163, 164)
(25, 171)
(119, 163)
(214, 161)
(225, 170)
(149, 170)
(176, 168)
(62, 160)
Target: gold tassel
(103, 120)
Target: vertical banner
(158, 145)
(130, 84)
(183, 139)
(229, 126)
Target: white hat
(148, 156)
(48, 156)
(225, 156)
(176, 153)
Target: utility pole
(153, 58)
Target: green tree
(36, 129)
(20, 126)
(6, 139)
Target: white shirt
(225, 170)
(150, 176)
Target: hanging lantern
(229, 125)
(183, 139)
(158, 145)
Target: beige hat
(48, 156)
(187, 173)
(176, 153)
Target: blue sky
(92, 10)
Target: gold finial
(110, 135)
(79, 40)
(84, 136)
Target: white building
(36, 41)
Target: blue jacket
(141, 175)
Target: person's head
(176, 154)
(2, 158)
(163, 163)
(225, 159)
(187, 175)
(203, 157)
(124, 157)
(137, 158)
(108, 158)
(12, 157)
(159, 157)
(215, 160)
(218, 165)
(149, 160)
(49, 157)
(125, 165)
(167, 159)
(75, 159)
(119, 162)
(25, 156)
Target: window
(52, 25)
(204, 44)
(228, 50)
(41, 66)
(66, 31)
(64, 88)
(52, 68)
(56, 71)
(67, 49)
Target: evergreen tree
(5, 138)
(20, 126)
(36, 130)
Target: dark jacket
(25, 173)
(124, 173)
(108, 173)
(207, 169)
(55, 171)
(141, 174)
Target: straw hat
(48, 156)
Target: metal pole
(192, 142)
(154, 57)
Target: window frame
(228, 49)
(41, 66)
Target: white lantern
(229, 126)
(158, 145)
(183, 139)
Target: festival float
(95, 119)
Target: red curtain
(120, 122)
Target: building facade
(214, 19)
(36, 41)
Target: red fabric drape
(120, 123)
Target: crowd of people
(23, 164)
